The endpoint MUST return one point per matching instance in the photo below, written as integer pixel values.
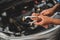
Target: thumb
(41, 13)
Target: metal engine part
(15, 22)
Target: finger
(34, 14)
(46, 26)
(38, 23)
(41, 13)
(35, 18)
(40, 16)
(44, 12)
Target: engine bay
(15, 20)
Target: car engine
(15, 18)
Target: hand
(44, 20)
(42, 23)
(47, 12)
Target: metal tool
(33, 21)
(30, 17)
(25, 17)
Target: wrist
(56, 21)
(51, 21)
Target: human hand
(41, 21)
(47, 12)
(44, 20)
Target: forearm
(56, 21)
(56, 7)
